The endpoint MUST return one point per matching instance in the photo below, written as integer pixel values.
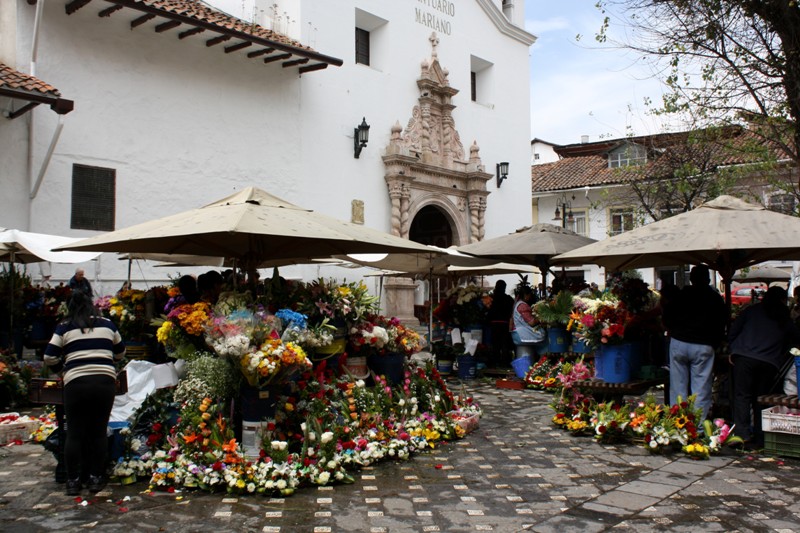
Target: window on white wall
(369, 38)
(93, 198)
(480, 78)
(627, 155)
(620, 220)
(580, 222)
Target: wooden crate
(510, 383)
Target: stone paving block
(645, 488)
(626, 500)
(669, 478)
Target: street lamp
(564, 210)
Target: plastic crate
(779, 419)
(783, 444)
(17, 431)
(46, 391)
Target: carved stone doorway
(437, 188)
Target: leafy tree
(724, 61)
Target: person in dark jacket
(760, 339)
(78, 282)
(696, 324)
(498, 316)
(85, 347)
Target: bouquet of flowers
(273, 360)
(466, 305)
(347, 303)
(182, 331)
(603, 322)
(677, 426)
(127, 311)
(610, 422)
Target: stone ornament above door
(424, 165)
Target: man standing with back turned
(696, 325)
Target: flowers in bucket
(555, 311)
(603, 322)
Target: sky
(584, 88)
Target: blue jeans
(691, 372)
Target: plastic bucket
(616, 363)
(521, 365)
(467, 367)
(357, 366)
(390, 365)
(251, 438)
(579, 346)
(557, 340)
(444, 367)
(258, 403)
(797, 369)
(599, 359)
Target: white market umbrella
(250, 226)
(433, 261)
(762, 274)
(26, 247)
(725, 233)
(534, 245)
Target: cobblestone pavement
(515, 473)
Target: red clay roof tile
(14, 79)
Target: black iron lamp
(564, 210)
(360, 136)
(502, 172)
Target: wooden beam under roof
(189, 33)
(141, 20)
(312, 68)
(278, 57)
(75, 5)
(108, 11)
(261, 52)
(167, 26)
(216, 40)
(301, 61)
(237, 47)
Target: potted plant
(555, 314)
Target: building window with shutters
(362, 46)
(93, 198)
(621, 220)
(782, 203)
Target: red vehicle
(743, 294)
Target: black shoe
(96, 483)
(73, 487)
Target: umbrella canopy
(250, 226)
(433, 261)
(726, 234)
(762, 274)
(534, 245)
(25, 247)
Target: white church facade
(177, 104)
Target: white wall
(184, 124)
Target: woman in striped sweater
(85, 347)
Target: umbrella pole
(130, 262)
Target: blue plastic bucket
(521, 365)
(599, 359)
(444, 367)
(467, 367)
(558, 340)
(797, 369)
(389, 365)
(579, 346)
(616, 361)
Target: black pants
(751, 379)
(501, 343)
(87, 406)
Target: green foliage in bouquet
(556, 311)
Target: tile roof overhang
(192, 17)
(20, 86)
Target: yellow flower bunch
(271, 359)
(697, 450)
(193, 318)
